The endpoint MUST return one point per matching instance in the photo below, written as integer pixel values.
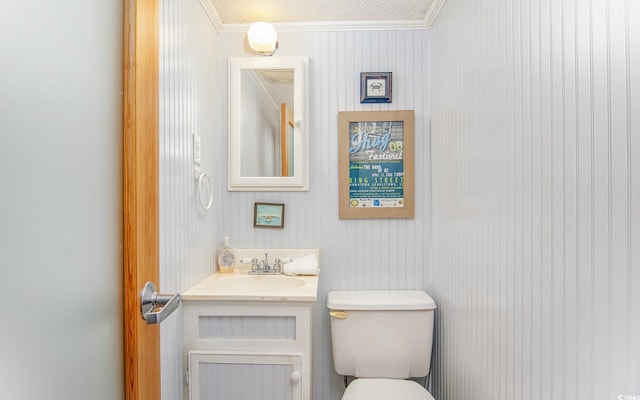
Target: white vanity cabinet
(236, 350)
(248, 349)
(248, 337)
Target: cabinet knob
(295, 377)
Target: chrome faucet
(263, 267)
(264, 264)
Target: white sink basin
(255, 283)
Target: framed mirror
(268, 124)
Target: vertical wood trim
(284, 142)
(140, 194)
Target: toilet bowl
(382, 338)
(385, 389)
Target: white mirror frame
(300, 180)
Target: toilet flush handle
(338, 314)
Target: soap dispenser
(226, 258)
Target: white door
(60, 200)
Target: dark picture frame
(268, 215)
(375, 87)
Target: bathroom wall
(354, 254)
(536, 188)
(187, 104)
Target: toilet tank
(381, 334)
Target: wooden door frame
(140, 195)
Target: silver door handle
(150, 299)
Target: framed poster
(375, 153)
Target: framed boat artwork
(268, 215)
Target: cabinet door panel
(255, 376)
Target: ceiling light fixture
(263, 38)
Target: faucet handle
(276, 265)
(252, 261)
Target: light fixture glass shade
(262, 38)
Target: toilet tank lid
(380, 300)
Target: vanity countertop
(241, 286)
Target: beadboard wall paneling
(354, 254)
(187, 104)
(536, 188)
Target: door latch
(151, 300)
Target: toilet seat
(385, 389)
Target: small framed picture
(268, 215)
(375, 87)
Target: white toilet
(382, 338)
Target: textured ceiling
(247, 11)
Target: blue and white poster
(376, 164)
